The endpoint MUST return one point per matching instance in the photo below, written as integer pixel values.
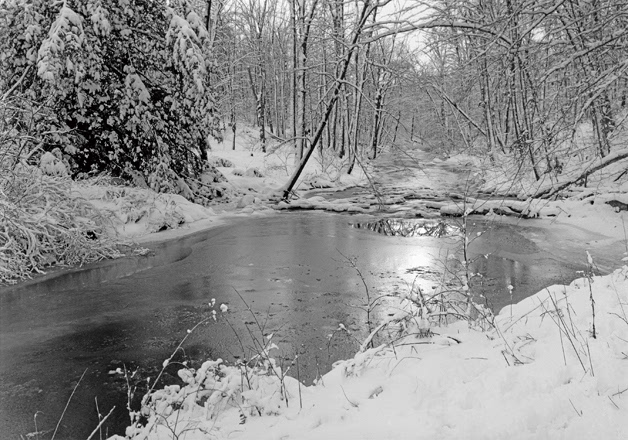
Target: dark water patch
(424, 272)
(410, 228)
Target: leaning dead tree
(593, 167)
(367, 9)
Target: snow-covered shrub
(134, 206)
(319, 182)
(253, 172)
(53, 163)
(123, 85)
(44, 224)
(221, 162)
(213, 391)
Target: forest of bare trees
(289, 66)
(537, 80)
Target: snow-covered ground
(600, 206)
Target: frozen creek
(289, 268)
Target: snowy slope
(536, 373)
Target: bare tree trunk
(255, 96)
(396, 128)
(361, 70)
(376, 122)
(293, 78)
(304, 19)
(336, 8)
(485, 88)
(233, 131)
(260, 113)
(366, 10)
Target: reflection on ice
(410, 228)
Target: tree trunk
(255, 96)
(295, 67)
(396, 128)
(233, 130)
(365, 12)
(376, 122)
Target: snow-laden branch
(185, 40)
(402, 27)
(65, 32)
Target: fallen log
(615, 156)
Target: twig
(574, 408)
(17, 83)
(355, 405)
(614, 404)
(401, 360)
(369, 340)
(67, 404)
(505, 358)
(590, 359)
(100, 424)
(618, 393)
(558, 321)
(369, 304)
(590, 279)
(299, 380)
(262, 349)
(167, 361)
(35, 420)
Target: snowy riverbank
(254, 179)
(540, 370)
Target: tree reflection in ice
(410, 228)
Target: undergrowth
(43, 224)
(255, 385)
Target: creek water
(290, 268)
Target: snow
(274, 167)
(536, 372)
(586, 207)
(135, 212)
(67, 30)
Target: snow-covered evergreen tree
(120, 85)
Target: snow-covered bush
(207, 394)
(253, 172)
(43, 224)
(122, 84)
(53, 163)
(220, 162)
